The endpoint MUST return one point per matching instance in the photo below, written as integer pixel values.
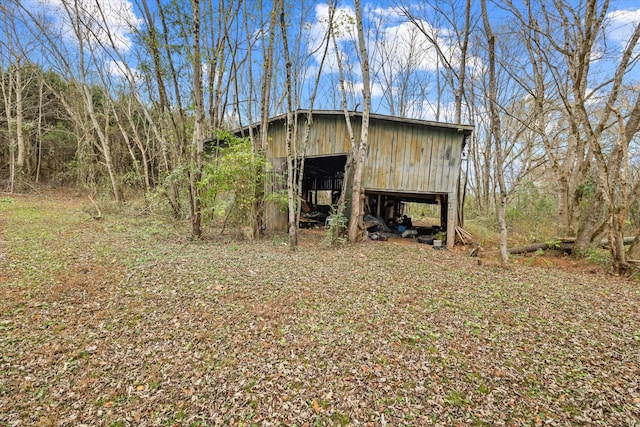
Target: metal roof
(466, 129)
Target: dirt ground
(125, 321)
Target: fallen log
(627, 241)
(561, 246)
(565, 245)
(603, 243)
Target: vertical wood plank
(417, 142)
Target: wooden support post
(452, 214)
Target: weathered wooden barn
(407, 160)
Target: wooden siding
(411, 158)
(407, 157)
(327, 136)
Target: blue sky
(123, 15)
(400, 46)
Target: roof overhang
(462, 128)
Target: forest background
(119, 97)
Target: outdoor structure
(407, 160)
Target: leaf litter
(104, 323)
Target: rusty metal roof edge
(466, 129)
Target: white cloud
(427, 110)
(122, 71)
(621, 24)
(344, 22)
(345, 31)
(110, 21)
(401, 44)
(405, 47)
(380, 14)
(355, 88)
(398, 49)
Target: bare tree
(451, 62)
(197, 146)
(289, 136)
(563, 46)
(348, 168)
(569, 157)
(297, 139)
(265, 97)
(399, 58)
(81, 22)
(451, 52)
(13, 89)
(357, 195)
(7, 85)
(496, 130)
(167, 124)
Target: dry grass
(121, 322)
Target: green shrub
(337, 226)
(232, 185)
(597, 256)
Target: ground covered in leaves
(124, 322)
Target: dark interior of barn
(322, 186)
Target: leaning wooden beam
(463, 236)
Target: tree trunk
(265, 98)
(562, 192)
(7, 97)
(309, 116)
(291, 124)
(634, 250)
(502, 222)
(496, 134)
(348, 166)
(357, 197)
(464, 175)
(159, 129)
(141, 146)
(620, 264)
(39, 128)
(104, 143)
(20, 172)
(197, 149)
(592, 223)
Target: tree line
(119, 100)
